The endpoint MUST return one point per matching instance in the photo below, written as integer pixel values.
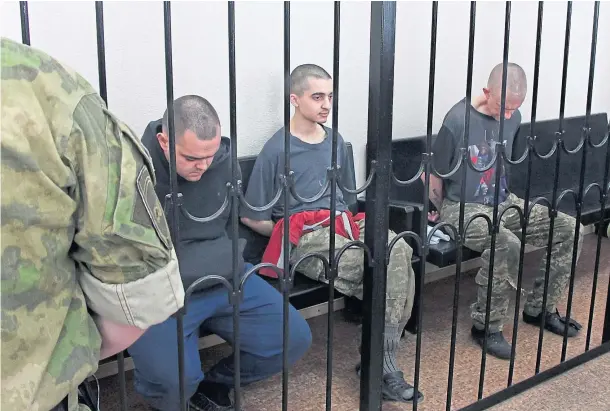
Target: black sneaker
(211, 397)
(496, 343)
(395, 388)
(554, 323)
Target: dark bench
(543, 171)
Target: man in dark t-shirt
(483, 138)
(310, 157)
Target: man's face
(316, 102)
(494, 99)
(193, 156)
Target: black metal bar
(499, 151)
(333, 206)
(424, 220)
(604, 199)
(173, 184)
(526, 200)
(581, 187)
(460, 239)
(237, 290)
(553, 211)
(25, 22)
(537, 379)
(379, 136)
(286, 278)
(101, 50)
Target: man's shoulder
(273, 146)
(149, 137)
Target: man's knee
(300, 337)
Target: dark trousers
(155, 354)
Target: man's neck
(480, 104)
(306, 130)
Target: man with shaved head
(310, 157)
(480, 189)
(203, 165)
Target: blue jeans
(155, 354)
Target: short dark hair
(300, 76)
(516, 80)
(196, 114)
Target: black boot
(554, 323)
(211, 397)
(496, 343)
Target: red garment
(303, 223)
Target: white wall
(136, 67)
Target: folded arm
(128, 270)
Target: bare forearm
(262, 227)
(436, 191)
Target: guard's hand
(433, 216)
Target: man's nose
(508, 115)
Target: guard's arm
(128, 268)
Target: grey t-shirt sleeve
(261, 188)
(444, 150)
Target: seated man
(310, 156)
(480, 189)
(203, 162)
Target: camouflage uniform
(400, 288)
(81, 229)
(507, 256)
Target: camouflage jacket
(82, 229)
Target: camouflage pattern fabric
(506, 261)
(81, 228)
(400, 286)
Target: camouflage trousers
(506, 261)
(400, 285)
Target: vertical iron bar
(526, 200)
(560, 142)
(101, 50)
(601, 217)
(122, 385)
(173, 183)
(25, 22)
(606, 330)
(496, 223)
(237, 292)
(581, 187)
(333, 206)
(379, 146)
(101, 66)
(424, 221)
(460, 240)
(286, 278)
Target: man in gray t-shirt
(310, 157)
(483, 136)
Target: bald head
(300, 76)
(516, 81)
(196, 114)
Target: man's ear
(163, 141)
(486, 91)
(294, 100)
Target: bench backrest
(257, 243)
(543, 171)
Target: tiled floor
(307, 384)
